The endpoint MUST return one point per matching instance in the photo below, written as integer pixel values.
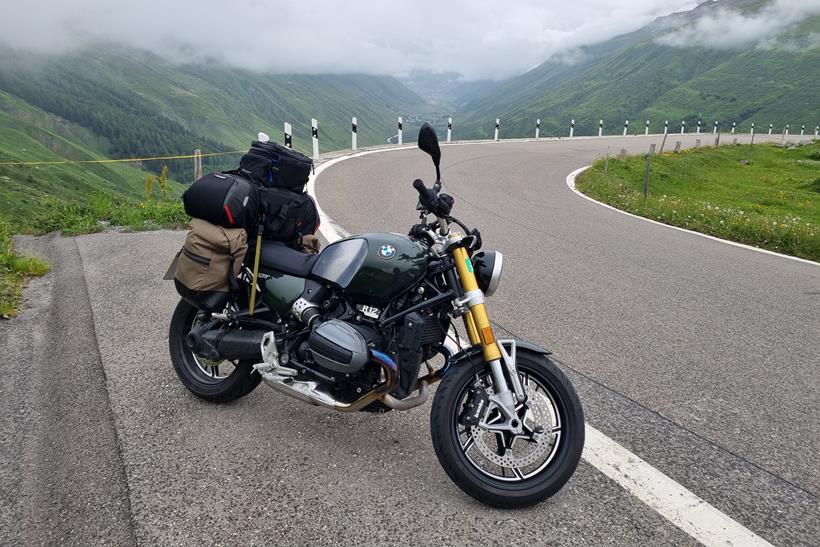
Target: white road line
(571, 183)
(671, 500)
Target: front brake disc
(529, 448)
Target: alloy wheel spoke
(498, 417)
(501, 443)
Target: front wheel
(502, 468)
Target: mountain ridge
(634, 77)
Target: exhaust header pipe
(308, 391)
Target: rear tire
(218, 389)
(490, 484)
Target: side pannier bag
(211, 257)
(222, 199)
(276, 166)
(287, 216)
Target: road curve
(719, 343)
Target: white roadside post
(449, 129)
(314, 133)
(816, 130)
(802, 129)
(682, 127)
(699, 122)
(665, 127)
(354, 129)
(626, 127)
(572, 128)
(288, 135)
(787, 130)
(714, 131)
(497, 125)
(646, 131)
(752, 132)
(600, 127)
(401, 130)
(770, 128)
(733, 127)
(537, 128)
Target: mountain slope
(139, 104)
(28, 133)
(634, 77)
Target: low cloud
(731, 29)
(477, 38)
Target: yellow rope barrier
(124, 160)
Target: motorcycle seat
(278, 256)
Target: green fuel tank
(373, 268)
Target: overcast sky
(476, 38)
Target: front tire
(494, 472)
(218, 382)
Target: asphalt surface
(697, 356)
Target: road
(697, 356)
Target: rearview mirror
(428, 141)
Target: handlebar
(427, 197)
(440, 205)
(431, 201)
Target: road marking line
(571, 184)
(671, 500)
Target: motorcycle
(349, 328)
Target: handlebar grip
(427, 197)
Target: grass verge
(762, 195)
(15, 269)
(98, 212)
(101, 211)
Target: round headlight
(487, 266)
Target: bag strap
(232, 282)
(280, 219)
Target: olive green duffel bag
(209, 253)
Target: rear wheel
(498, 467)
(216, 381)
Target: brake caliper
(476, 407)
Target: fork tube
(472, 332)
(481, 322)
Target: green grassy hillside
(634, 77)
(30, 134)
(137, 104)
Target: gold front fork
(476, 320)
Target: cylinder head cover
(339, 346)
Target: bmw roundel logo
(387, 252)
